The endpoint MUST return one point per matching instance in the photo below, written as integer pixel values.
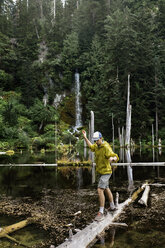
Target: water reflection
(35, 182)
(153, 154)
(110, 236)
(30, 180)
(121, 154)
(79, 177)
(93, 173)
(129, 171)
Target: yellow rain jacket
(102, 155)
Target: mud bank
(54, 211)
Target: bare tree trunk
(85, 149)
(153, 149)
(128, 117)
(93, 173)
(129, 170)
(152, 135)
(112, 132)
(89, 137)
(156, 113)
(41, 8)
(92, 132)
(156, 120)
(120, 137)
(27, 5)
(36, 30)
(55, 139)
(144, 199)
(54, 9)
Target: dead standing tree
(128, 117)
(91, 132)
(128, 139)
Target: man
(103, 157)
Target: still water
(30, 182)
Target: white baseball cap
(96, 136)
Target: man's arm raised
(86, 139)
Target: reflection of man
(103, 156)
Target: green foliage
(104, 41)
(70, 56)
(40, 114)
(23, 140)
(4, 145)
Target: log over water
(89, 234)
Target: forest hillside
(43, 43)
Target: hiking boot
(99, 217)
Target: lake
(30, 182)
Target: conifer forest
(44, 43)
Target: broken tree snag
(86, 236)
(137, 192)
(144, 198)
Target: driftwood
(12, 228)
(144, 198)
(89, 234)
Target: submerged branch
(16, 241)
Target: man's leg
(101, 197)
(109, 194)
(100, 215)
(110, 198)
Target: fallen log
(12, 228)
(144, 199)
(89, 234)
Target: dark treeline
(43, 43)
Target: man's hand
(84, 133)
(86, 139)
(111, 159)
